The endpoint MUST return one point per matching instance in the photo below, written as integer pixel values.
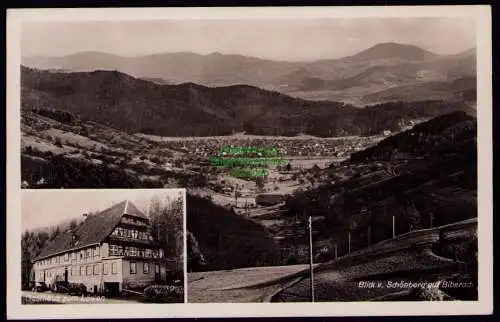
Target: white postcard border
(482, 15)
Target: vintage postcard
(102, 246)
(107, 246)
(329, 155)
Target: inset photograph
(103, 246)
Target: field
(240, 285)
(407, 258)
(344, 284)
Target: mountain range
(116, 99)
(361, 78)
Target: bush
(164, 294)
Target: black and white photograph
(326, 155)
(102, 246)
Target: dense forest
(135, 105)
(226, 240)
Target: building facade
(108, 252)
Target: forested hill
(226, 240)
(424, 176)
(449, 133)
(135, 105)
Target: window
(82, 270)
(133, 268)
(73, 256)
(134, 234)
(66, 257)
(105, 268)
(157, 269)
(113, 250)
(146, 268)
(81, 254)
(72, 271)
(114, 269)
(97, 252)
(147, 253)
(129, 233)
(96, 269)
(89, 270)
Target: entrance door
(157, 273)
(65, 275)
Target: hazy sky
(41, 208)
(305, 39)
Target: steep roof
(93, 230)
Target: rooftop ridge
(126, 207)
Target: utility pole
(393, 226)
(431, 217)
(349, 243)
(311, 258)
(369, 235)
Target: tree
(73, 224)
(55, 232)
(196, 260)
(167, 226)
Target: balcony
(122, 240)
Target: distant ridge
(392, 50)
(375, 69)
(115, 99)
